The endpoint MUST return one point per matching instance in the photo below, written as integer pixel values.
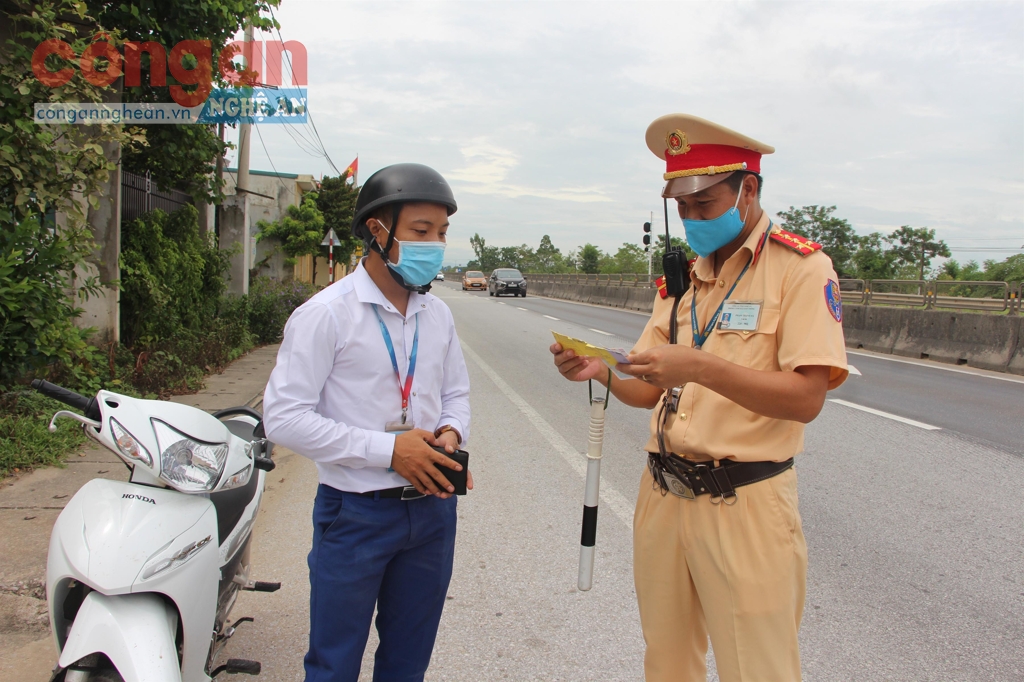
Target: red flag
(353, 169)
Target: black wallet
(456, 478)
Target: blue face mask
(707, 236)
(418, 262)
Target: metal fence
(949, 294)
(140, 195)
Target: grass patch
(25, 441)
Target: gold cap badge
(675, 141)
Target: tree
(1010, 270)
(590, 259)
(872, 260)
(916, 246)
(547, 258)
(179, 156)
(836, 236)
(45, 170)
(659, 252)
(300, 230)
(336, 200)
(630, 258)
(487, 257)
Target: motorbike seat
(231, 504)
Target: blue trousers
(394, 554)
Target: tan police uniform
(736, 572)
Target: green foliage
(269, 303)
(835, 235)
(872, 260)
(590, 259)
(25, 441)
(41, 166)
(336, 200)
(180, 156)
(300, 230)
(171, 277)
(37, 265)
(916, 247)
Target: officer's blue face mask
(707, 236)
(418, 262)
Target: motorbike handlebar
(70, 398)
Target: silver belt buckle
(410, 493)
(677, 487)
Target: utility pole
(244, 129)
(234, 230)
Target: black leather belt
(688, 479)
(403, 493)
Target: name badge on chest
(741, 316)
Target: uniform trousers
(389, 553)
(735, 572)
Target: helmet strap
(396, 210)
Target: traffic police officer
(718, 546)
(369, 376)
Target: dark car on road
(507, 281)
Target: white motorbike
(141, 576)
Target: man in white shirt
(369, 376)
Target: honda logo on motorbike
(140, 498)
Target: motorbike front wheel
(103, 675)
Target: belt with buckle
(717, 478)
(401, 493)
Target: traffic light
(647, 237)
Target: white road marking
(501, 302)
(518, 308)
(894, 417)
(601, 332)
(552, 318)
(933, 365)
(611, 497)
(854, 370)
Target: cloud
(897, 113)
(487, 173)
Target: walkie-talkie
(674, 264)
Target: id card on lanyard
(406, 388)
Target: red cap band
(701, 158)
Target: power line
(309, 113)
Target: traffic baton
(588, 535)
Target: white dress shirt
(334, 387)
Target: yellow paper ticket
(613, 356)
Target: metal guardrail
(948, 294)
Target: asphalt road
(916, 561)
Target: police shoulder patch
(834, 300)
(662, 289)
(801, 245)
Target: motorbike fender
(110, 532)
(135, 631)
(110, 529)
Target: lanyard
(699, 339)
(407, 388)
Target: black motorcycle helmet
(396, 185)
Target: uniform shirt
(796, 328)
(334, 387)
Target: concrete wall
(270, 195)
(986, 341)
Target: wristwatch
(448, 427)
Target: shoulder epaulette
(801, 245)
(660, 283)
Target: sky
(897, 113)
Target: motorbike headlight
(128, 445)
(240, 477)
(187, 464)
